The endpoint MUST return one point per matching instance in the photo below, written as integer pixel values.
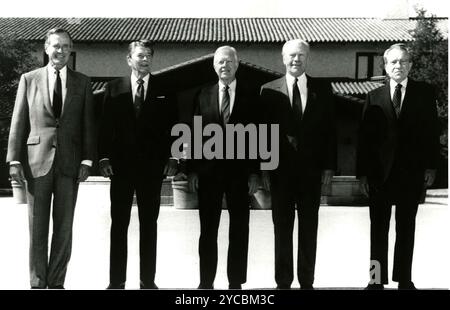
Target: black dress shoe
(56, 287)
(407, 285)
(205, 286)
(374, 287)
(283, 287)
(306, 287)
(235, 286)
(113, 286)
(148, 286)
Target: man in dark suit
(303, 108)
(51, 149)
(398, 150)
(134, 149)
(225, 102)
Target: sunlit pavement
(342, 254)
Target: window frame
(370, 64)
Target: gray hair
(294, 42)
(399, 46)
(57, 31)
(227, 48)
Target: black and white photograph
(240, 152)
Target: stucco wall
(326, 60)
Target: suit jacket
(412, 139)
(136, 143)
(244, 112)
(36, 135)
(309, 147)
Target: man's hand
(193, 182)
(327, 175)
(16, 173)
(171, 167)
(253, 184)
(429, 177)
(83, 173)
(105, 168)
(364, 185)
(293, 141)
(265, 180)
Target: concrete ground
(342, 254)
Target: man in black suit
(398, 150)
(225, 102)
(303, 107)
(134, 149)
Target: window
(71, 63)
(368, 65)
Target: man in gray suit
(50, 151)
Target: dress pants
(404, 193)
(148, 195)
(63, 189)
(210, 194)
(287, 191)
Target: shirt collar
(232, 85)
(290, 79)
(62, 72)
(393, 83)
(134, 79)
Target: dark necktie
(139, 97)
(397, 99)
(297, 101)
(57, 96)
(225, 105)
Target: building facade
(348, 51)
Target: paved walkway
(342, 254)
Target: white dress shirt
(301, 83)
(231, 91)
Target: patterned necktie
(225, 105)
(397, 99)
(139, 97)
(297, 101)
(57, 96)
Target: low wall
(344, 190)
(166, 189)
